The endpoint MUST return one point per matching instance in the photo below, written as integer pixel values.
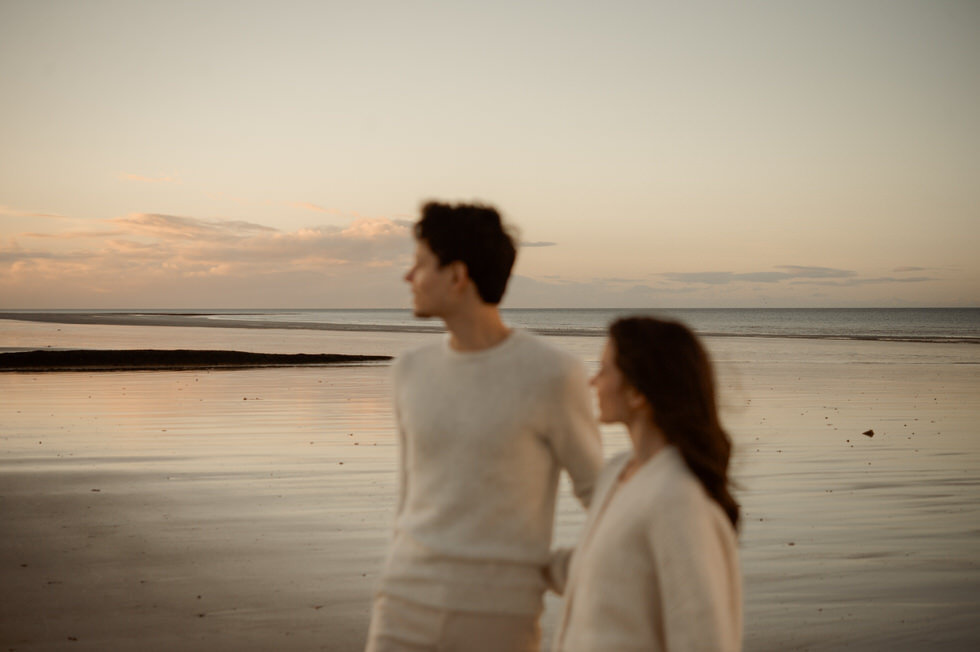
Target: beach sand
(250, 509)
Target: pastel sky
(237, 154)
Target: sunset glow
(651, 154)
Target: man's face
(431, 284)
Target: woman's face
(611, 388)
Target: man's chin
(426, 312)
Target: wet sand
(249, 509)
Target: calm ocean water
(888, 324)
(941, 325)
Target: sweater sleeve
(575, 435)
(402, 444)
(402, 467)
(696, 560)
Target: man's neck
(476, 329)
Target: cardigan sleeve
(556, 572)
(694, 550)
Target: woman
(657, 565)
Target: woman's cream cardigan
(656, 567)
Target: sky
(240, 154)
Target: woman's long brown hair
(667, 364)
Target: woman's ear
(635, 399)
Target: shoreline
(200, 320)
(203, 320)
(166, 360)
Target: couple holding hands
(487, 419)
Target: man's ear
(460, 274)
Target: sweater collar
(507, 343)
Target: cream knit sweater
(656, 568)
(484, 437)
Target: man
(487, 418)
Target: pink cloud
(72, 235)
(139, 177)
(307, 206)
(147, 252)
(172, 226)
(13, 212)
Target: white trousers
(402, 626)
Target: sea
(941, 325)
